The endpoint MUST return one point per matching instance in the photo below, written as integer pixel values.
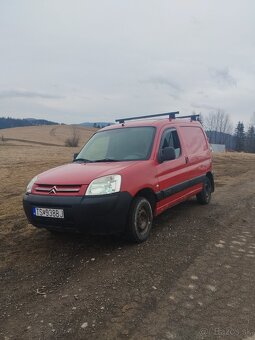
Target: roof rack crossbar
(170, 114)
(192, 117)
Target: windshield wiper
(82, 160)
(106, 160)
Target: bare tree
(219, 125)
(73, 141)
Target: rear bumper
(106, 214)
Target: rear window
(194, 139)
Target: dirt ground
(193, 279)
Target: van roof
(153, 122)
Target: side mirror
(75, 155)
(167, 154)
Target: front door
(171, 174)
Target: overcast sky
(90, 60)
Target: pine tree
(240, 137)
(250, 140)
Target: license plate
(47, 212)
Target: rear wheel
(139, 220)
(204, 197)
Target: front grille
(57, 189)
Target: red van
(125, 175)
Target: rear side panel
(198, 154)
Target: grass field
(54, 135)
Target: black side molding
(179, 187)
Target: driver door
(171, 174)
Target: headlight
(30, 185)
(104, 185)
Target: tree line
(100, 125)
(219, 130)
(8, 122)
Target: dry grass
(231, 165)
(46, 134)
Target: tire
(204, 197)
(139, 220)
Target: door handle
(186, 160)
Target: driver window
(171, 139)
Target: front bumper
(104, 214)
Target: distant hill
(7, 122)
(96, 124)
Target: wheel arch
(149, 195)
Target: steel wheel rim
(142, 220)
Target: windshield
(119, 145)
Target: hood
(81, 173)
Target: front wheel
(139, 220)
(204, 197)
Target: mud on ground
(193, 279)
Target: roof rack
(192, 117)
(171, 115)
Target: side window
(170, 139)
